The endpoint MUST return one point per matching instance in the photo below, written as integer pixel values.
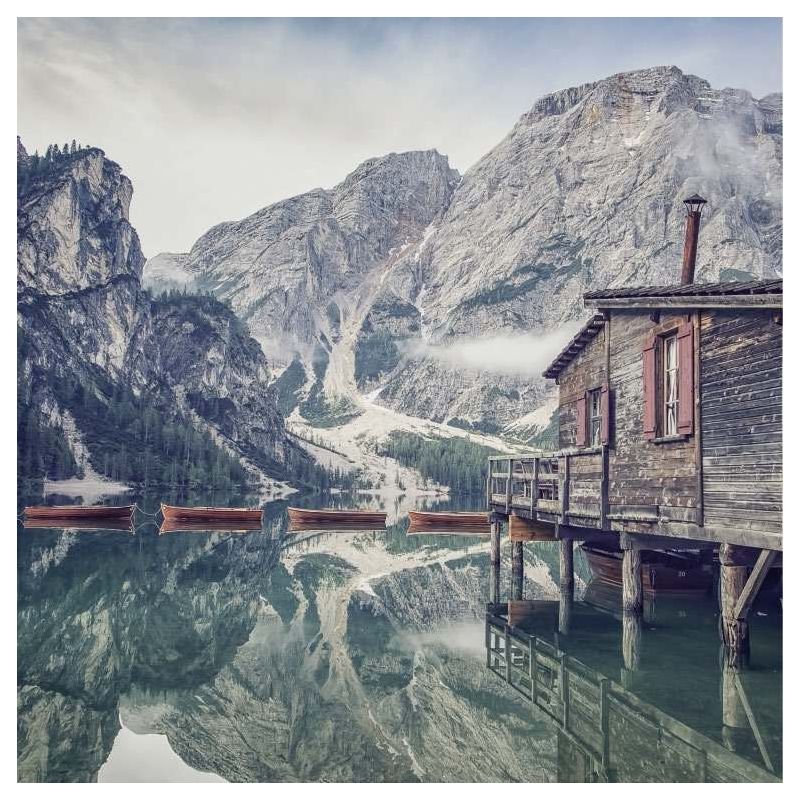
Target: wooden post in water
(494, 577)
(632, 602)
(566, 566)
(735, 728)
(631, 646)
(565, 602)
(733, 574)
(494, 554)
(517, 570)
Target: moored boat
(339, 517)
(77, 524)
(210, 513)
(446, 519)
(683, 573)
(210, 526)
(78, 512)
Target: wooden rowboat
(210, 526)
(661, 572)
(75, 524)
(339, 517)
(444, 519)
(78, 512)
(209, 513)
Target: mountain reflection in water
(332, 655)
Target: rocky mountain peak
(74, 224)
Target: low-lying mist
(523, 354)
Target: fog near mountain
(524, 354)
(422, 287)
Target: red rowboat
(78, 512)
(340, 517)
(209, 513)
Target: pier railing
(603, 719)
(563, 486)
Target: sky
(213, 119)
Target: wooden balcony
(568, 487)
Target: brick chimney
(694, 207)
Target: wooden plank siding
(721, 482)
(586, 371)
(741, 368)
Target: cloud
(523, 355)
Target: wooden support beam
(733, 575)
(494, 578)
(566, 565)
(565, 603)
(527, 530)
(632, 594)
(563, 493)
(517, 570)
(535, 488)
(494, 542)
(509, 484)
(765, 561)
(698, 420)
(604, 463)
(751, 719)
(533, 668)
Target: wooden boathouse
(669, 435)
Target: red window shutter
(686, 378)
(649, 362)
(605, 414)
(580, 433)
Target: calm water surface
(362, 656)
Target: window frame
(665, 404)
(594, 423)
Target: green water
(342, 656)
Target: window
(668, 361)
(669, 386)
(592, 418)
(595, 417)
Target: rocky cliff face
(377, 282)
(83, 317)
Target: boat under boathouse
(669, 436)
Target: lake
(362, 656)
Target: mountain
(110, 381)
(411, 288)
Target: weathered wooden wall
(741, 367)
(586, 371)
(657, 476)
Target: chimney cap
(694, 203)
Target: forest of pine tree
(455, 462)
(38, 167)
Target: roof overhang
(592, 327)
(689, 301)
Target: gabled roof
(576, 344)
(764, 294)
